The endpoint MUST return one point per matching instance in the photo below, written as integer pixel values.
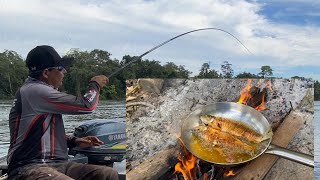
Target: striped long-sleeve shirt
(37, 133)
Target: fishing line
(165, 42)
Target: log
(258, 168)
(155, 167)
(159, 165)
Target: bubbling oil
(217, 154)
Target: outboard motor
(112, 132)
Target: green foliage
(296, 77)
(109, 92)
(87, 64)
(246, 75)
(13, 72)
(266, 71)
(173, 71)
(227, 71)
(316, 91)
(206, 72)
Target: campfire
(254, 96)
(154, 152)
(187, 164)
(190, 167)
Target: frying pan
(246, 115)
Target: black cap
(42, 57)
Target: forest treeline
(87, 64)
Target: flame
(261, 106)
(186, 166)
(229, 173)
(245, 93)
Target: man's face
(54, 76)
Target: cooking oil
(216, 154)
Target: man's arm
(45, 99)
(71, 141)
(83, 142)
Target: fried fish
(212, 138)
(234, 128)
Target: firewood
(155, 167)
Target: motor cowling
(113, 134)
(110, 131)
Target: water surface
(317, 140)
(104, 110)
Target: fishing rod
(165, 42)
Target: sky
(282, 34)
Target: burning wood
(193, 168)
(254, 96)
(262, 105)
(245, 93)
(148, 132)
(221, 129)
(186, 166)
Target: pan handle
(291, 155)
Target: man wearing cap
(38, 143)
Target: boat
(112, 153)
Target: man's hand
(102, 80)
(88, 141)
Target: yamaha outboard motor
(112, 132)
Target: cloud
(132, 27)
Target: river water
(317, 140)
(104, 110)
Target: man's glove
(102, 80)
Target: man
(38, 143)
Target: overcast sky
(284, 35)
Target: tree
(109, 92)
(13, 72)
(227, 71)
(173, 71)
(182, 72)
(100, 56)
(204, 69)
(141, 68)
(87, 64)
(266, 71)
(296, 77)
(316, 91)
(246, 75)
(206, 72)
(148, 69)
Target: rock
(151, 85)
(307, 102)
(177, 98)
